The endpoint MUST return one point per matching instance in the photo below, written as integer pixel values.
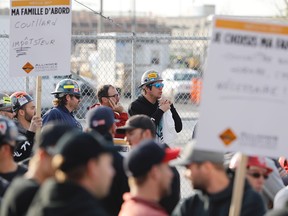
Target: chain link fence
(121, 59)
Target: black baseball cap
(101, 116)
(50, 134)
(137, 121)
(147, 154)
(77, 148)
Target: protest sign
(40, 37)
(245, 89)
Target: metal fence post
(27, 84)
(133, 68)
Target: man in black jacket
(83, 175)
(213, 187)
(27, 123)
(151, 104)
(139, 128)
(9, 169)
(101, 120)
(22, 190)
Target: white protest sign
(244, 105)
(40, 37)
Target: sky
(184, 7)
(179, 7)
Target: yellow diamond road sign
(28, 67)
(228, 137)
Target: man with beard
(150, 179)
(109, 96)
(212, 186)
(139, 128)
(27, 123)
(67, 98)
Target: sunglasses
(258, 175)
(76, 96)
(115, 95)
(157, 85)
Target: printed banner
(244, 105)
(40, 37)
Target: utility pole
(100, 20)
(133, 25)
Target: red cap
(258, 162)
(252, 161)
(170, 154)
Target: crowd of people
(53, 165)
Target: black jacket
(113, 201)
(169, 202)
(18, 197)
(21, 170)
(23, 149)
(142, 106)
(64, 199)
(218, 204)
(3, 186)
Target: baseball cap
(147, 154)
(137, 121)
(193, 155)
(77, 148)
(101, 116)
(253, 161)
(50, 134)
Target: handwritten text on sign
(40, 37)
(245, 91)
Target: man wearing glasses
(257, 170)
(67, 98)
(109, 96)
(151, 104)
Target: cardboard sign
(244, 104)
(40, 37)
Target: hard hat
(66, 86)
(150, 76)
(19, 99)
(8, 131)
(5, 101)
